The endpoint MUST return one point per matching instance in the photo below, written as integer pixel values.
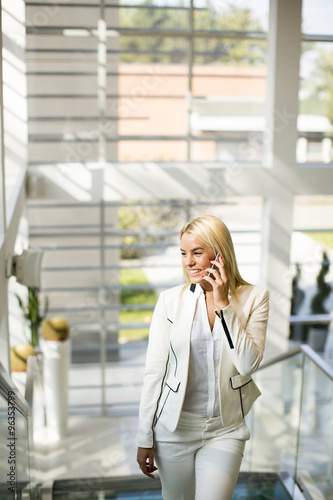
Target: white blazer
(244, 323)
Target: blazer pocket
(173, 383)
(238, 381)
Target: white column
(4, 340)
(13, 146)
(282, 109)
(326, 147)
(302, 150)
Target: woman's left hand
(220, 284)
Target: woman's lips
(193, 272)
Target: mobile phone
(213, 266)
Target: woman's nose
(190, 261)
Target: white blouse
(202, 391)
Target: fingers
(212, 281)
(221, 269)
(147, 470)
(219, 281)
(145, 459)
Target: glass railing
(14, 440)
(19, 474)
(292, 424)
(290, 453)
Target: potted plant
(55, 345)
(318, 331)
(31, 313)
(19, 353)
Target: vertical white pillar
(282, 109)
(302, 150)
(326, 147)
(13, 146)
(4, 333)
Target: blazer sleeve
(155, 372)
(245, 339)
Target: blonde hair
(215, 234)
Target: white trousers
(201, 459)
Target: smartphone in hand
(214, 267)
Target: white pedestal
(55, 374)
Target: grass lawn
(148, 296)
(325, 238)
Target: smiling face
(195, 256)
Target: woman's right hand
(145, 459)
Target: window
(146, 81)
(315, 123)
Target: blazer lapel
(183, 321)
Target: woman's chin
(196, 278)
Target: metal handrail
(311, 318)
(7, 386)
(308, 352)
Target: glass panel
(152, 102)
(152, 150)
(316, 104)
(258, 486)
(64, 16)
(4, 466)
(62, 102)
(314, 22)
(14, 462)
(228, 149)
(170, 3)
(22, 452)
(229, 95)
(315, 461)
(275, 421)
(151, 76)
(311, 275)
(153, 116)
(242, 16)
(166, 50)
(146, 17)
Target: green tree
(319, 85)
(231, 50)
(151, 219)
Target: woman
(205, 340)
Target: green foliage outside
(319, 85)
(147, 218)
(230, 51)
(172, 50)
(154, 220)
(128, 296)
